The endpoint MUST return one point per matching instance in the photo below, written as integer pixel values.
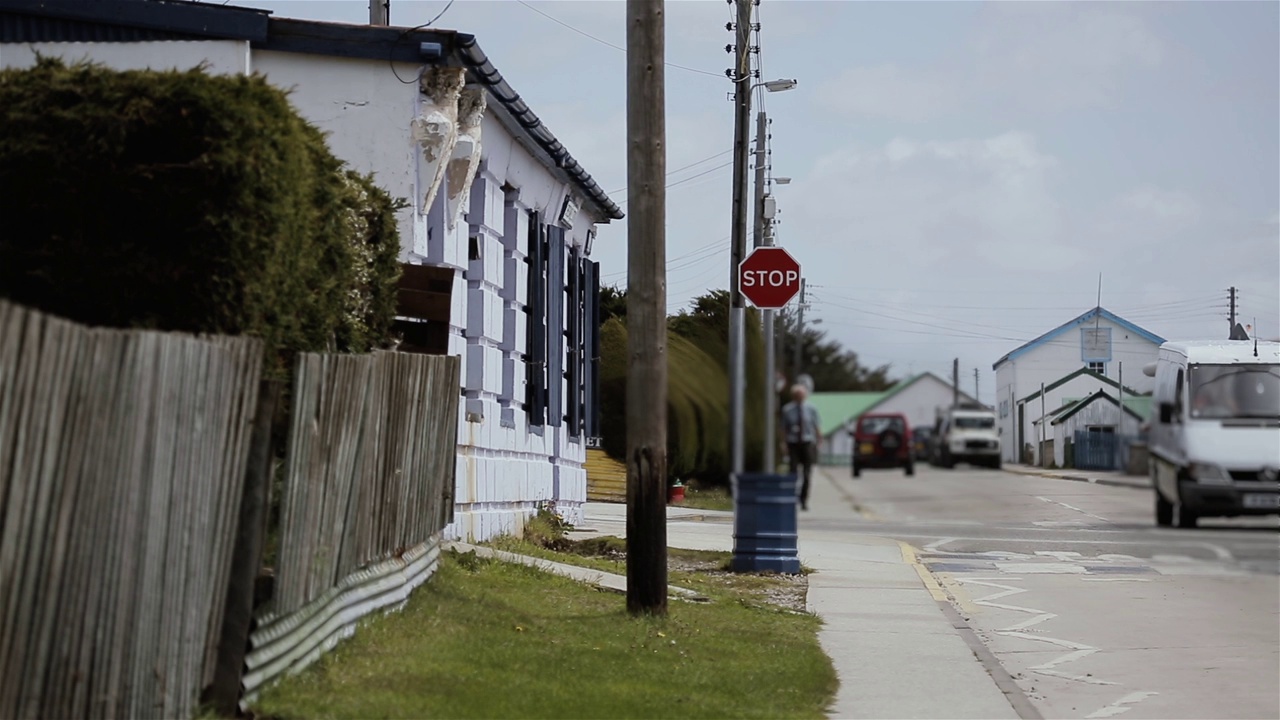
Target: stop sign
(769, 277)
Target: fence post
(223, 693)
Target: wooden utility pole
(955, 382)
(646, 310)
(1232, 292)
(975, 385)
(799, 348)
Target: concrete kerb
(1136, 483)
(597, 578)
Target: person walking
(802, 432)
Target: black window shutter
(555, 316)
(535, 309)
(573, 347)
(593, 349)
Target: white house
(1060, 395)
(497, 238)
(917, 397)
(1100, 413)
(1097, 340)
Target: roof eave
(1083, 317)
(364, 42)
(192, 19)
(523, 123)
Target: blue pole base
(764, 524)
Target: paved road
(1095, 612)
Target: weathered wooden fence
(368, 489)
(122, 457)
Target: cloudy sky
(961, 172)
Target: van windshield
(974, 423)
(1235, 391)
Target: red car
(882, 440)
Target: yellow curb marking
(911, 557)
(958, 595)
(864, 512)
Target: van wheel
(1164, 511)
(1184, 518)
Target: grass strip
(488, 639)
(710, 498)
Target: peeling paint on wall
(465, 159)
(435, 130)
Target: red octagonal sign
(769, 277)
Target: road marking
(1041, 568)
(1073, 507)
(1059, 555)
(933, 546)
(1217, 551)
(912, 558)
(1114, 579)
(1221, 552)
(1118, 706)
(1059, 523)
(1078, 650)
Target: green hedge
(697, 398)
(188, 201)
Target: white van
(1215, 430)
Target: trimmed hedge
(188, 201)
(697, 398)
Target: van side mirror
(1166, 412)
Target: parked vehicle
(966, 433)
(921, 443)
(1215, 432)
(882, 440)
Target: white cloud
(1156, 204)
(974, 206)
(1031, 57)
(888, 92)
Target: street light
(737, 313)
(782, 181)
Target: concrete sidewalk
(898, 647)
(1098, 477)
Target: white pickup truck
(967, 435)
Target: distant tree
(706, 317)
(832, 367)
(613, 303)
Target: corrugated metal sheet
(289, 643)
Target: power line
(712, 247)
(681, 169)
(433, 20)
(690, 178)
(609, 44)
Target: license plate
(867, 448)
(1261, 500)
